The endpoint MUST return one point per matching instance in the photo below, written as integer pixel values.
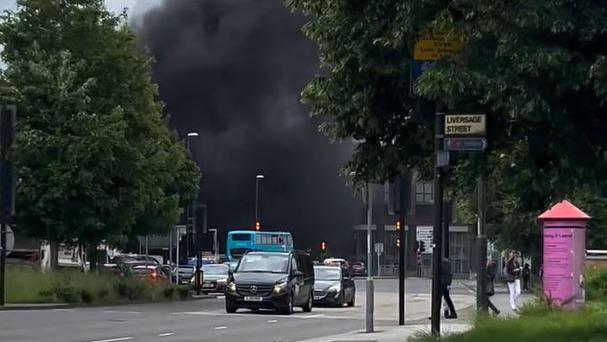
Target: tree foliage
(537, 69)
(93, 153)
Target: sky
(233, 71)
(136, 7)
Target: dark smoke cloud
(233, 70)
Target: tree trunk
(54, 254)
(92, 255)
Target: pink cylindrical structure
(564, 242)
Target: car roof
(328, 267)
(262, 253)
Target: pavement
(206, 320)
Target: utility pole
(441, 161)
(369, 289)
(402, 250)
(481, 244)
(7, 191)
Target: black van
(271, 280)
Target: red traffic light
(323, 246)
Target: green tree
(94, 155)
(536, 68)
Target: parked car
(337, 262)
(359, 269)
(334, 286)
(215, 278)
(151, 273)
(126, 258)
(271, 280)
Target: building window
(424, 192)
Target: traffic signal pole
(369, 305)
(401, 252)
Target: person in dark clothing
(526, 276)
(491, 272)
(445, 282)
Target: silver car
(215, 277)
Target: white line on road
(133, 312)
(313, 316)
(221, 297)
(272, 321)
(221, 327)
(166, 334)
(114, 339)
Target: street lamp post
(257, 179)
(191, 211)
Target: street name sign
(466, 144)
(465, 125)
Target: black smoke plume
(233, 70)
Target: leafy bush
(184, 292)
(596, 285)
(169, 292)
(29, 285)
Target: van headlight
(336, 288)
(280, 287)
(231, 287)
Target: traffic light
(398, 243)
(397, 225)
(257, 226)
(323, 246)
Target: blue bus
(242, 241)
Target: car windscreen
(321, 273)
(274, 263)
(215, 269)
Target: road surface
(206, 320)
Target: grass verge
(28, 285)
(537, 323)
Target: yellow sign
(465, 124)
(434, 47)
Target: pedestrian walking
(526, 276)
(445, 282)
(512, 273)
(517, 280)
(491, 273)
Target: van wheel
(308, 306)
(288, 309)
(340, 300)
(230, 306)
(351, 302)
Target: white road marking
(221, 297)
(221, 327)
(166, 334)
(313, 316)
(133, 312)
(272, 321)
(115, 339)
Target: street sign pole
(482, 301)
(437, 230)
